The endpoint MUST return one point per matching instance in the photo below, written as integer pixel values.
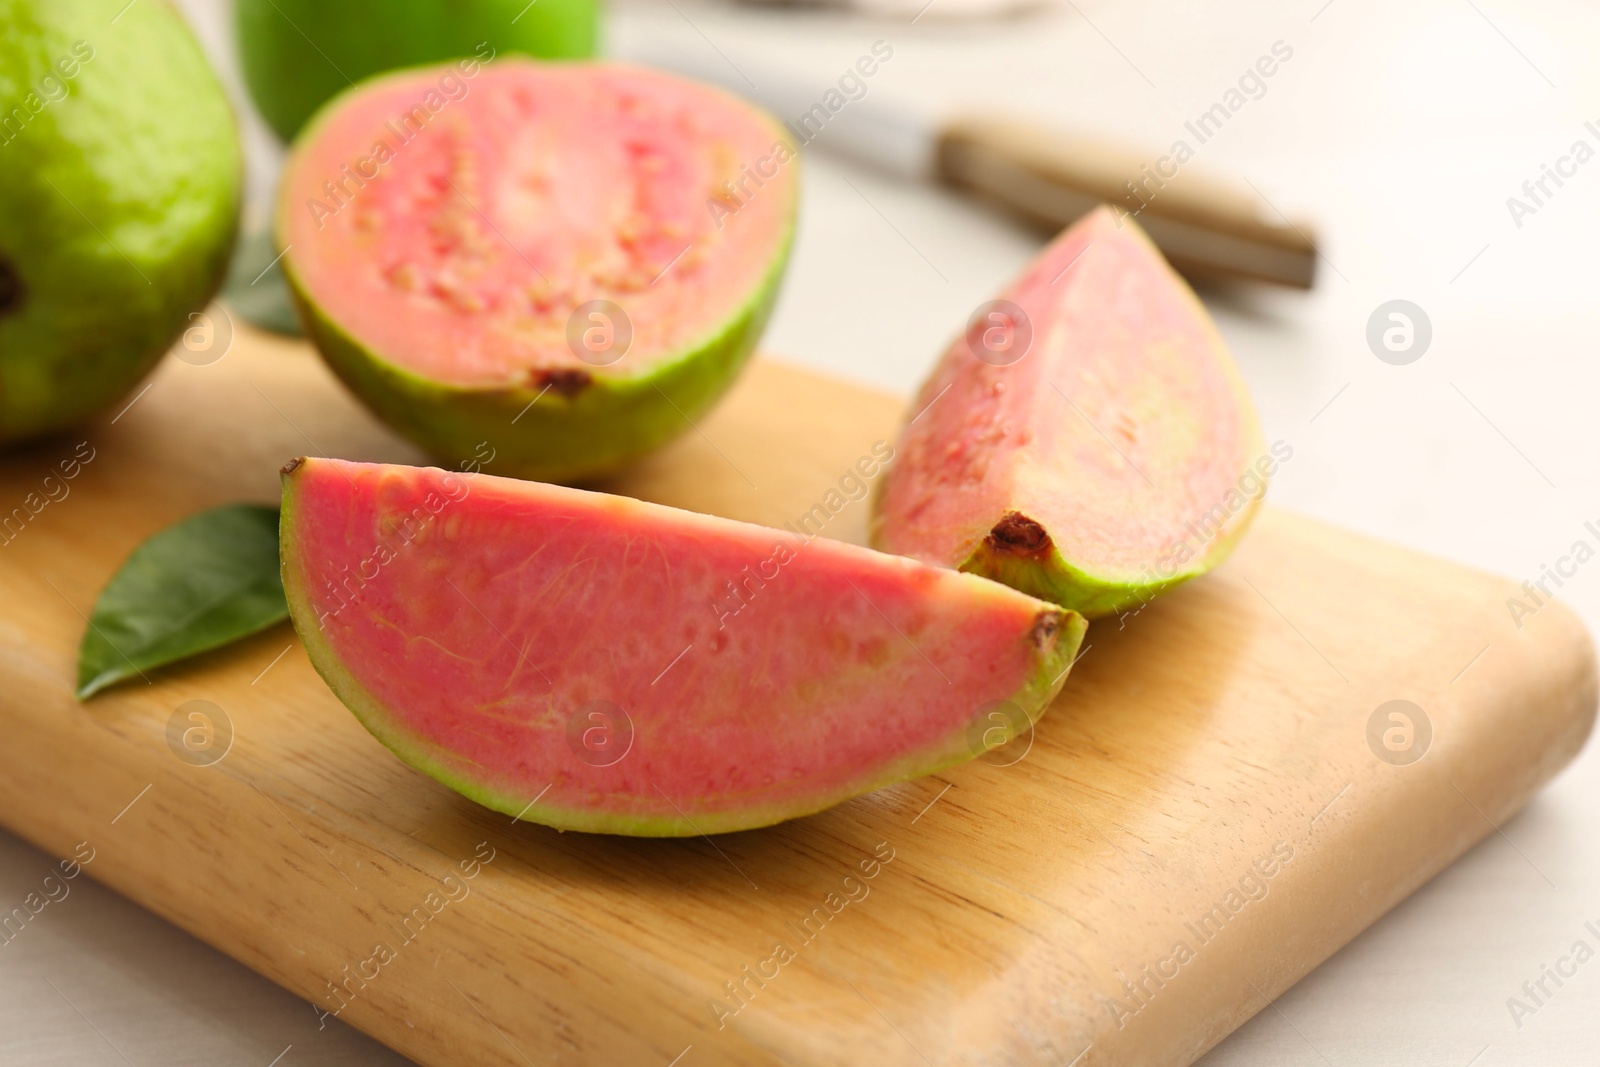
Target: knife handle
(1205, 226)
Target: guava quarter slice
(595, 663)
(1087, 441)
(558, 265)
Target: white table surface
(1401, 129)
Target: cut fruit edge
(1061, 641)
(717, 332)
(688, 382)
(1004, 539)
(570, 420)
(1045, 573)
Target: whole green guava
(298, 54)
(119, 199)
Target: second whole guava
(298, 54)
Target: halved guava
(565, 264)
(1087, 441)
(596, 663)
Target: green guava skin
(119, 201)
(1052, 578)
(298, 54)
(540, 433)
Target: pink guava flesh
(597, 663)
(452, 223)
(1098, 453)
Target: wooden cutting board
(1199, 821)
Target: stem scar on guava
(565, 381)
(11, 288)
(1018, 535)
(1045, 628)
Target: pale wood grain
(1227, 717)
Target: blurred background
(1399, 132)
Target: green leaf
(199, 585)
(256, 289)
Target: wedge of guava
(595, 663)
(1087, 441)
(119, 197)
(562, 264)
(297, 54)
